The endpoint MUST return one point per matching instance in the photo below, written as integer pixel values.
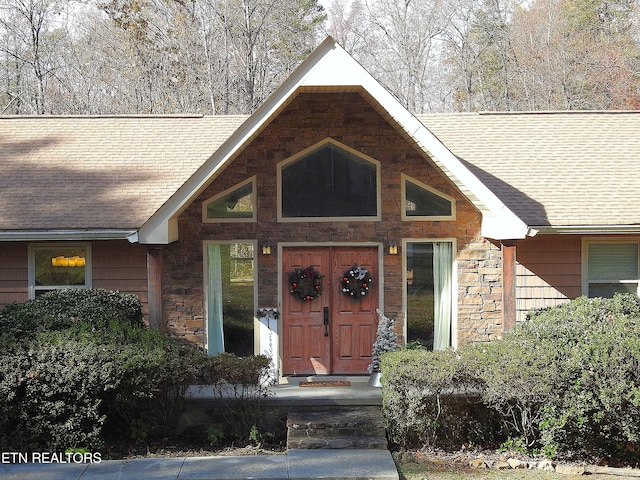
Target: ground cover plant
(79, 369)
(566, 383)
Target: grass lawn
(435, 470)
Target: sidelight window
(429, 294)
(230, 297)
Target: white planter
(374, 379)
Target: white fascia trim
(64, 235)
(161, 228)
(588, 230)
(328, 66)
(498, 222)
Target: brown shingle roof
(99, 172)
(552, 168)
(559, 169)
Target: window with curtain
(230, 298)
(429, 293)
(611, 267)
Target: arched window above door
(329, 181)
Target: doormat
(337, 383)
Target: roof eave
(67, 235)
(587, 229)
(504, 226)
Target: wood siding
(121, 266)
(548, 272)
(116, 265)
(13, 273)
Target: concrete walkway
(296, 464)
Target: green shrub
(151, 374)
(89, 374)
(568, 379)
(62, 309)
(566, 382)
(597, 410)
(519, 377)
(429, 397)
(51, 397)
(240, 384)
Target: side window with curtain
(429, 294)
(230, 298)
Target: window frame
(318, 146)
(430, 218)
(454, 284)
(31, 275)
(207, 287)
(587, 241)
(237, 186)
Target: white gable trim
(330, 65)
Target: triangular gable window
(236, 204)
(424, 202)
(329, 181)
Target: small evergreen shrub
(62, 309)
(386, 341)
(428, 397)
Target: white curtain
(442, 266)
(215, 336)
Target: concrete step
(337, 428)
(338, 443)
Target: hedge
(81, 370)
(564, 382)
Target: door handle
(326, 321)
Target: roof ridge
(99, 117)
(558, 112)
(529, 113)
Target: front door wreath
(305, 284)
(356, 282)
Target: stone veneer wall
(479, 292)
(349, 119)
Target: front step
(337, 428)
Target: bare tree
(29, 47)
(406, 31)
(549, 54)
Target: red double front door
(333, 333)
